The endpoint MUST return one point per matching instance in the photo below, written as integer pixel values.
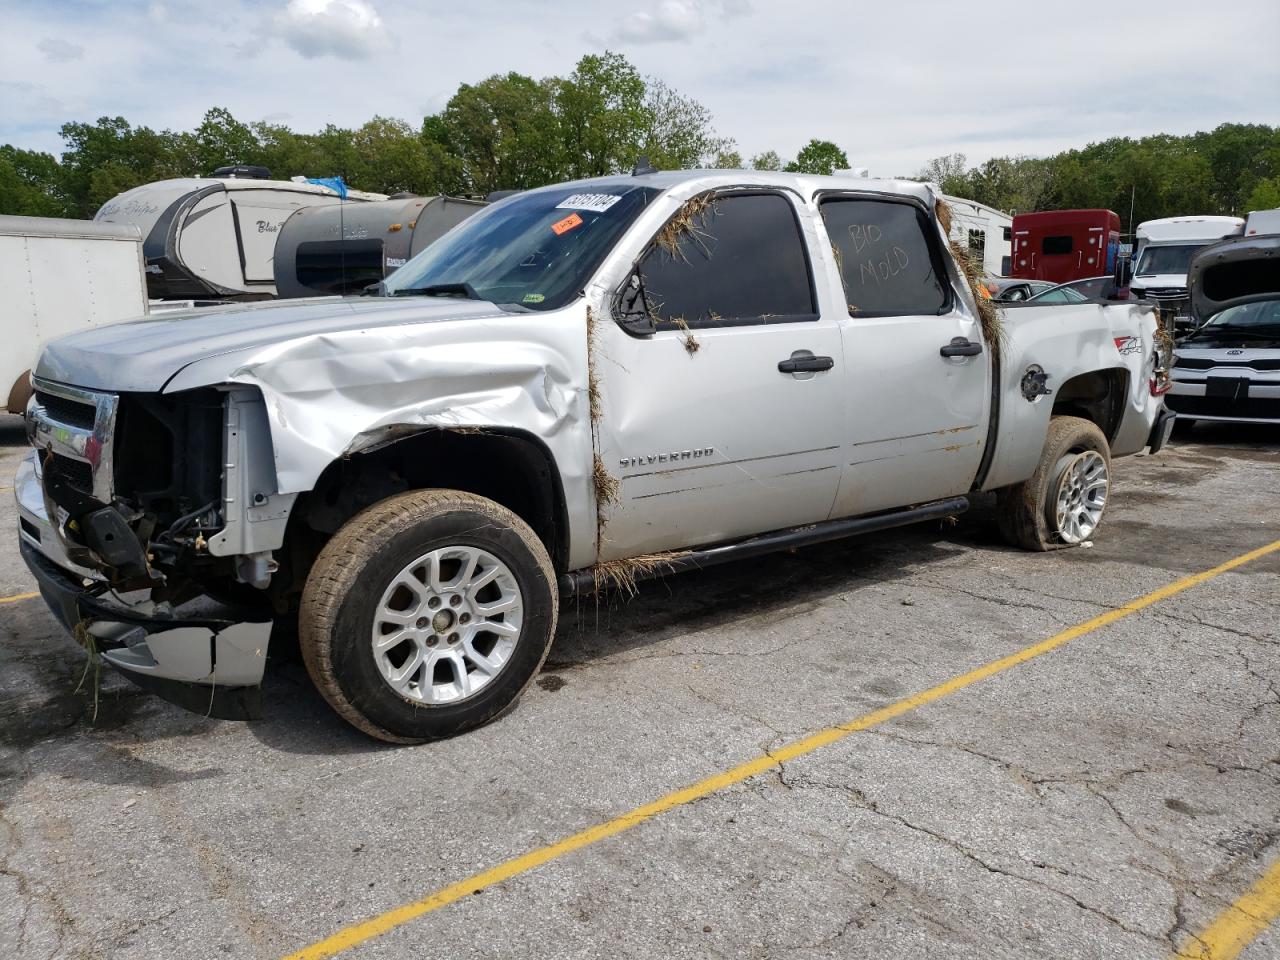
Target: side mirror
(632, 308)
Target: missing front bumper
(204, 664)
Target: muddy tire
(1062, 503)
(427, 615)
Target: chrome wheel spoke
(456, 648)
(1081, 495)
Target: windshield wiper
(440, 290)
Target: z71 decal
(1128, 346)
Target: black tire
(1024, 511)
(347, 583)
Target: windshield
(1175, 259)
(535, 250)
(1262, 317)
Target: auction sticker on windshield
(594, 202)
(567, 224)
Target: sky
(894, 82)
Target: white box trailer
(987, 233)
(215, 237)
(59, 277)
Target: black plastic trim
(584, 581)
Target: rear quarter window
(888, 266)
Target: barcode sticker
(594, 202)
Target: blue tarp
(333, 183)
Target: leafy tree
(603, 115)
(29, 184)
(769, 160)
(819, 156)
(504, 132)
(679, 134)
(729, 158)
(1265, 196)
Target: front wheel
(427, 615)
(1062, 503)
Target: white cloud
(671, 20)
(60, 51)
(350, 29)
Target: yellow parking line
(1239, 924)
(19, 596)
(359, 933)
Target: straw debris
(687, 225)
(989, 315)
(87, 640)
(624, 575)
(691, 345)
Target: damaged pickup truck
(584, 383)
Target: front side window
(534, 251)
(886, 261)
(731, 259)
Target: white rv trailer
(59, 277)
(985, 232)
(1262, 222)
(215, 237)
(1165, 249)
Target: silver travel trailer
(215, 237)
(341, 250)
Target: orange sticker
(567, 224)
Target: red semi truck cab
(1064, 245)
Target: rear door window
(737, 259)
(888, 265)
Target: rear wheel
(1063, 502)
(427, 615)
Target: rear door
(917, 390)
(728, 420)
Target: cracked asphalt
(1108, 799)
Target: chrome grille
(78, 428)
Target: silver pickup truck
(583, 384)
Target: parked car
(581, 384)
(1229, 368)
(1012, 290)
(1077, 291)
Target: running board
(584, 580)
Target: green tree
(503, 131)
(679, 134)
(769, 160)
(729, 158)
(603, 116)
(1265, 195)
(29, 184)
(818, 156)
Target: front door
(728, 420)
(917, 390)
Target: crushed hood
(143, 355)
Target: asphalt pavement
(1111, 797)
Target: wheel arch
(511, 467)
(1098, 396)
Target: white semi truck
(1164, 251)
